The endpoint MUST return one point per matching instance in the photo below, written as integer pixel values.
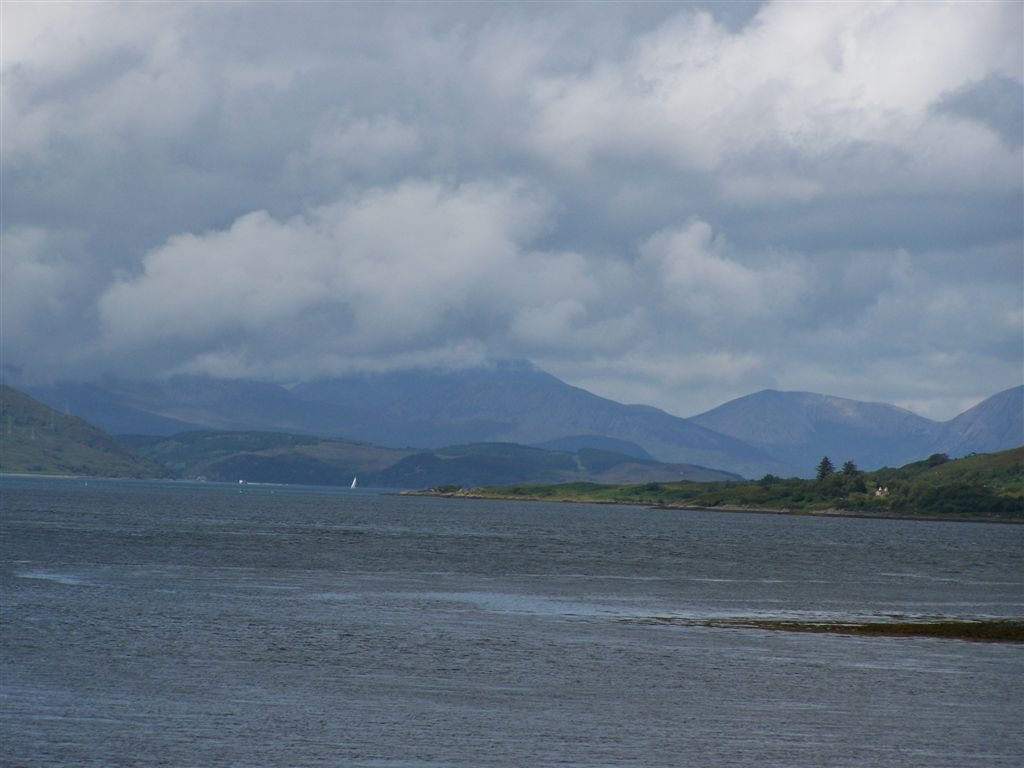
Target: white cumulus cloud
(672, 203)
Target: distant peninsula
(981, 487)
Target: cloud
(104, 73)
(369, 145)
(997, 102)
(808, 84)
(417, 266)
(424, 266)
(671, 203)
(697, 278)
(47, 296)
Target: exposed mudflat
(978, 630)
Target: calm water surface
(163, 624)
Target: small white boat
(353, 483)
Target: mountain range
(36, 439)
(769, 432)
(276, 457)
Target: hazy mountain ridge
(274, 457)
(992, 425)
(801, 427)
(471, 465)
(522, 404)
(574, 443)
(514, 403)
(781, 433)
(183, 403)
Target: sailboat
(353, 483)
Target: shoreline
(830, 512)
(468, 494)
(59, 476)
(833, 512)
(975, 630)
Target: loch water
(175, 624)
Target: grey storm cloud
(665, 203)
(997, 102)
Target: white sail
(353, 483)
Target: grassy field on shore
(982, 486)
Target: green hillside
(492, 463)
(36, 439)
(276, 457)
(265, 457)
(979, 486)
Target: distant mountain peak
(994, 424)
(514, 364)
(772, 431)
(801, 427)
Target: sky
(672, 204)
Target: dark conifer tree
(825, 468)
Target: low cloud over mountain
(674, 204)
